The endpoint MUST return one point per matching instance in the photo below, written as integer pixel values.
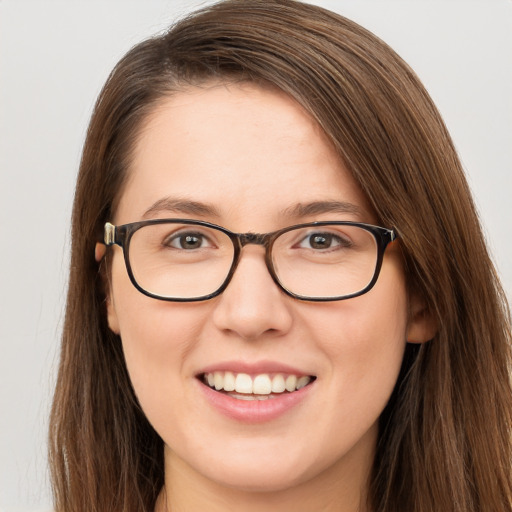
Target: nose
(252, 305)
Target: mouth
(264, 386)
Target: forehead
(245, 150)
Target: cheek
(156, 338)
(364, 340)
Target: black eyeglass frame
(122, 235)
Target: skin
(252, 154)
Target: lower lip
(254, 411)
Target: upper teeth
(262, 384)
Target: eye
(323, 241)
(187, 241)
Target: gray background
(54, 57)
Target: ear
(113, 322)
(99, 251)
(422, 326)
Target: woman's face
(245, 158)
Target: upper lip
(253, 368)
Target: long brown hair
(445, 435)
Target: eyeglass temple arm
(109, 234)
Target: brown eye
(320, 241)
(187, 241)
(323, 241)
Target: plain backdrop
(54, 57)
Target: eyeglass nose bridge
(263, 239)
(244, 239)
(253, 238)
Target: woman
(280, 297)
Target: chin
(258, 480)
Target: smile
(243, 386)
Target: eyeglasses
(188, 260)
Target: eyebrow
(318, 207)
(300, 210)
(181, 206)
